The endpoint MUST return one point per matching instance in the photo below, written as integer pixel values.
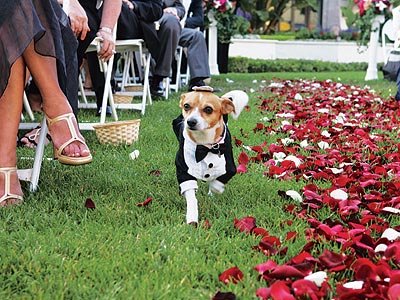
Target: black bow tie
(202, 151)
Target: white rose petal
(296, 160)
(391, 210)
(380, 248)
(339, 194)
(325, 133)
(355, 285)
(265, 119)
(287, 141)
(134, 154)
(275, 84)
(252, 90)
(323, 111)
(278, 156)
(323, 145)
(298, 97)
(294, 195)
(304, 144)
(336, 171)
(318, 278)
(391, 234)
(285, 115)
(255, 81)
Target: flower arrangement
(228, 24)
(361, 13)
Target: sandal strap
(7, 184)
(69, 118)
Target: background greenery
(55, 248)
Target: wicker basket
(134, 88)
(121, 98)
(117, 133)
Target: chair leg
(27, 107)
(37, 163)
(32, 175)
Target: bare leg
(10, 111)
(44, 72)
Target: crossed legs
(43, 70)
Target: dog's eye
(208, 110)
(186, 106)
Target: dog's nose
(191, 123)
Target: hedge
(249, 65)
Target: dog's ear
(227, 106)
(183, 96)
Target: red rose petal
(233, 275)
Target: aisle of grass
(55, 248)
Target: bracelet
(106, 29)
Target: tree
(267, 13)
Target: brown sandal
(62, 158)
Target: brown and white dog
(205, 147)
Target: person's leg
(168, 35)
(44, 72)
(10, 110)
(197, 55)
(397, 96)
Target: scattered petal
(233, 275)
(145, 202)
(89, 203)
(339, 194)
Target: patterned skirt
(45, 23)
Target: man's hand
(129, 3)
(79, 20)
(172, 11)
(107, 44)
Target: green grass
(52, 247)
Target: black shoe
(156, 91)
(155, 86)
(108, 111)
(193, 83)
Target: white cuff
(188, 185)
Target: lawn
(53, 247)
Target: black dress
(44, 22)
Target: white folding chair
(32, 174)
(387, 32)
(128, 48)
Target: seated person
(133, 15)
(169, 35)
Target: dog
(205, 146)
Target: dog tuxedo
(212, 163)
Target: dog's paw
(216, 187)
(194, 224)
